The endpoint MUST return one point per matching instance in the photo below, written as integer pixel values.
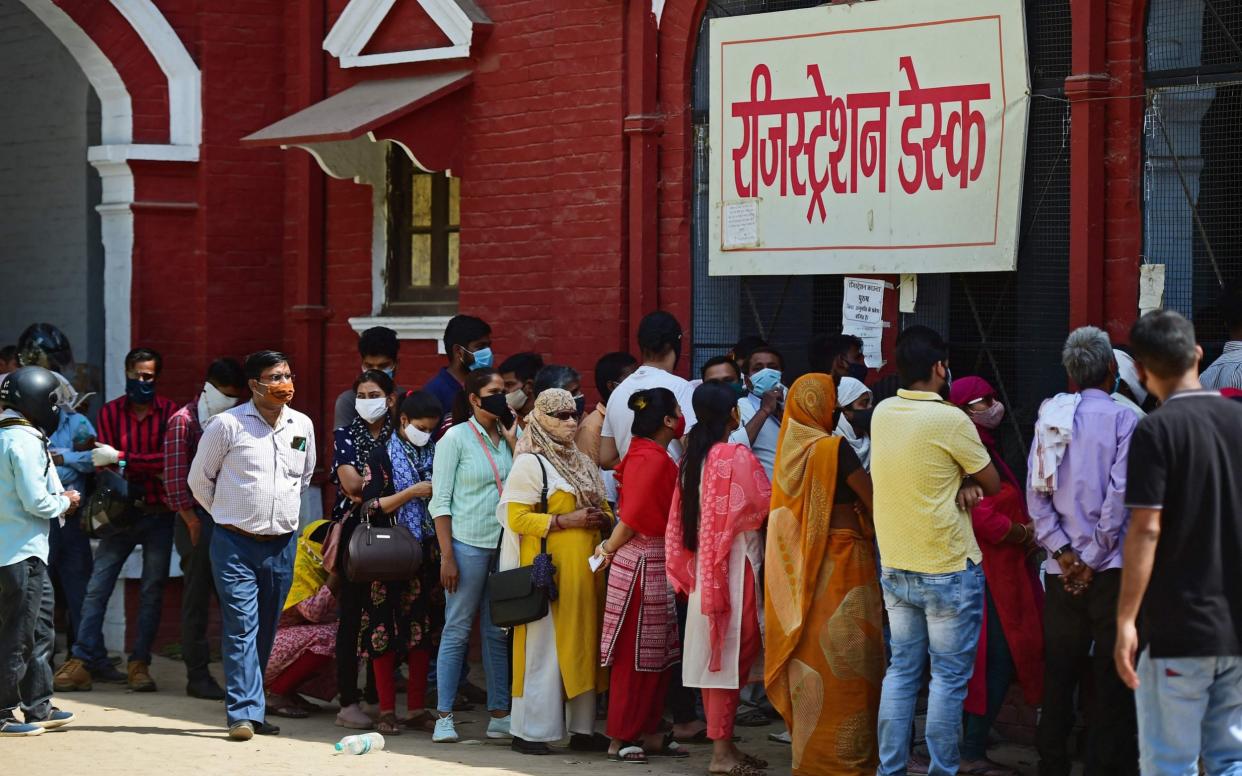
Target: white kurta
(542, 714)
(696, 651)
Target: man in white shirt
(252, 465)
(659, 338)
(762, 407)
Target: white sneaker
(498, 727)
(445, 733)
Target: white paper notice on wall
(873, 341)
(864, 301)
(908, 296)
(741, 224)
(1151, 288)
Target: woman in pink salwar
(714, 554)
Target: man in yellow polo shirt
(928, 468)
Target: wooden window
(424, 227)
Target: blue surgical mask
(482, 359)
(140, 392)
(391, 372)
(764, 380)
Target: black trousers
(27, 637)
(1071, 625)
(681, 700)
(198, 587)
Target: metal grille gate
(1007, 327)
(1192, 217)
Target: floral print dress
(402, 616)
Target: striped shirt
(463, 484)
(1226, 371)
(180, 445)
(251, 475)
(139, 442)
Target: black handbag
(115, 506)
(382, 553)
(512, 596)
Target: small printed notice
(862, 315)
(1151, 288)
(908, 296)
(741, 224)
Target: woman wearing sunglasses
(556, 672)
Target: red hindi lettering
(955, 138)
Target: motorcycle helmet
(42, 344)
(32, 391)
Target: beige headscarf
(554, 440)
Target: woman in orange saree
(824, 643)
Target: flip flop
(671, 750)
(388, 725)
(630, 755)
(288, 711)
(424, 722)
(741, 769)
(754, 762)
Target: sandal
(305, 705)
(387, 724)
(631, 755)
(741, 769)
(754, 762)
(284, 707)
(595, 742)
(423, 721)
(985, 767)
(671, 750)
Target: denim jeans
(155, 534)
(460, 608)
(197, 590)
(26, 639)
(936, 615)
(69, 562)
(1190, 707)
(252, 579)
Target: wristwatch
(1057, 555)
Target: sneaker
(55, 718)
(241, 731)
(498, 727)
(72, 677)
(207, 689)
(11, 728)
(445, 733)
(139, 678)
(354, 718)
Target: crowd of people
(830, 547)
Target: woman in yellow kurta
(824, 649)
(556, 671)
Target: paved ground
(118, 732)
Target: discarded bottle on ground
(360, 744)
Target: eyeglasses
(274, 379)
(565, 415)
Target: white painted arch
(111, 157)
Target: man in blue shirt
(468, 345)
(31, 496)
(69, 550)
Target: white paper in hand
(595, 562)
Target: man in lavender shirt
(1081, 522)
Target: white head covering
(1129, 375)
(848, 392)
(67, 397)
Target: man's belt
(255, 536)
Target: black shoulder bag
(512, 596)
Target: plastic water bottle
(369, 742)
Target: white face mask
(516, 399)
(417, 436)
(371, 410)
(212, 402)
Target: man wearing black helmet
(42, 344)
(30, 497)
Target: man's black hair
(226, 372)
(524, 366)
(556, 376)
(659, 331)
(718, 361)
(138, 355)
(608, 370)
(258, 362)
(825, 348)
(1164, 343)
(378, 341)
(919, 349)
(462, 330)
(766, 349)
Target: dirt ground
(119, 732)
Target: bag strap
(543, 508)
(488, 452)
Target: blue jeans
(252, 581)
(1190, 707)
(155, 534)
(460, 608)
(936, 615)
(69, 561)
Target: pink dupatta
(734, 498)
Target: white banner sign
(880, 137)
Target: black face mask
(580, 405)
(836, 418)
(858, 372)
(496, 405)
(861, 422)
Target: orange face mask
(282, 393)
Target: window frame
(400, 298)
